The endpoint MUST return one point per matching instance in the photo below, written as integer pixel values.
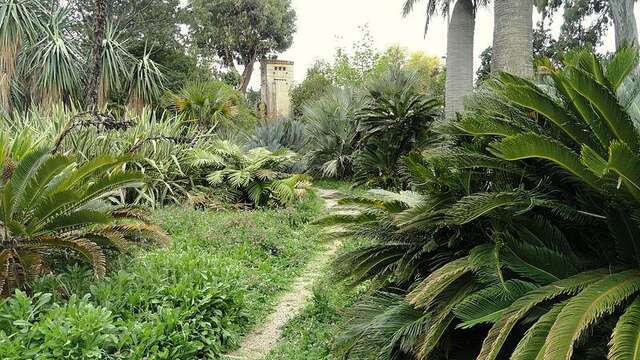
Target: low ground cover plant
(194, 299)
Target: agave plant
(51, 203)
(257, 176)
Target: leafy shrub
(41, 329)
(257, 176)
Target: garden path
(263, 339)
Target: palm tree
(624, 22)
(513, 37)
(18, 24)
(459, 81)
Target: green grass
(344, 187)
(194, 299)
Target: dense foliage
(519, 223)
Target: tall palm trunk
(96, 61)
(459, 81)
(624, 22)
(513, 37)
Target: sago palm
(530, 233)
(51, 203)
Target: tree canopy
(242, 31)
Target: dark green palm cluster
(362, 134)
(519, 239)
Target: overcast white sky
(324, 25)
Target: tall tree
(459, 81)
(151, 22)
(96, 57)
(513, 37)
(624, 22)
(242, 31)
(584, 25)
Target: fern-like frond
(583, 310)
(532, 345)
(529, 145)
(625, 340)
(438, 281)
(501, 330)
(488, 304)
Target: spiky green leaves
(625, 341)
(262, 176)
(52, 202)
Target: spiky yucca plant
(257, 176)
(115, 67)
(18, 25)
(51, 203)
(145, 83)
(53, 63)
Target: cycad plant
(394, 120)
(521, 241)
(50, 203)
(257, 176)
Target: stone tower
(276, 81)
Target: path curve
(264, 338)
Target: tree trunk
(624, 22)
(459, 80)
(513, 37)
(96, 61)
(247, 72)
